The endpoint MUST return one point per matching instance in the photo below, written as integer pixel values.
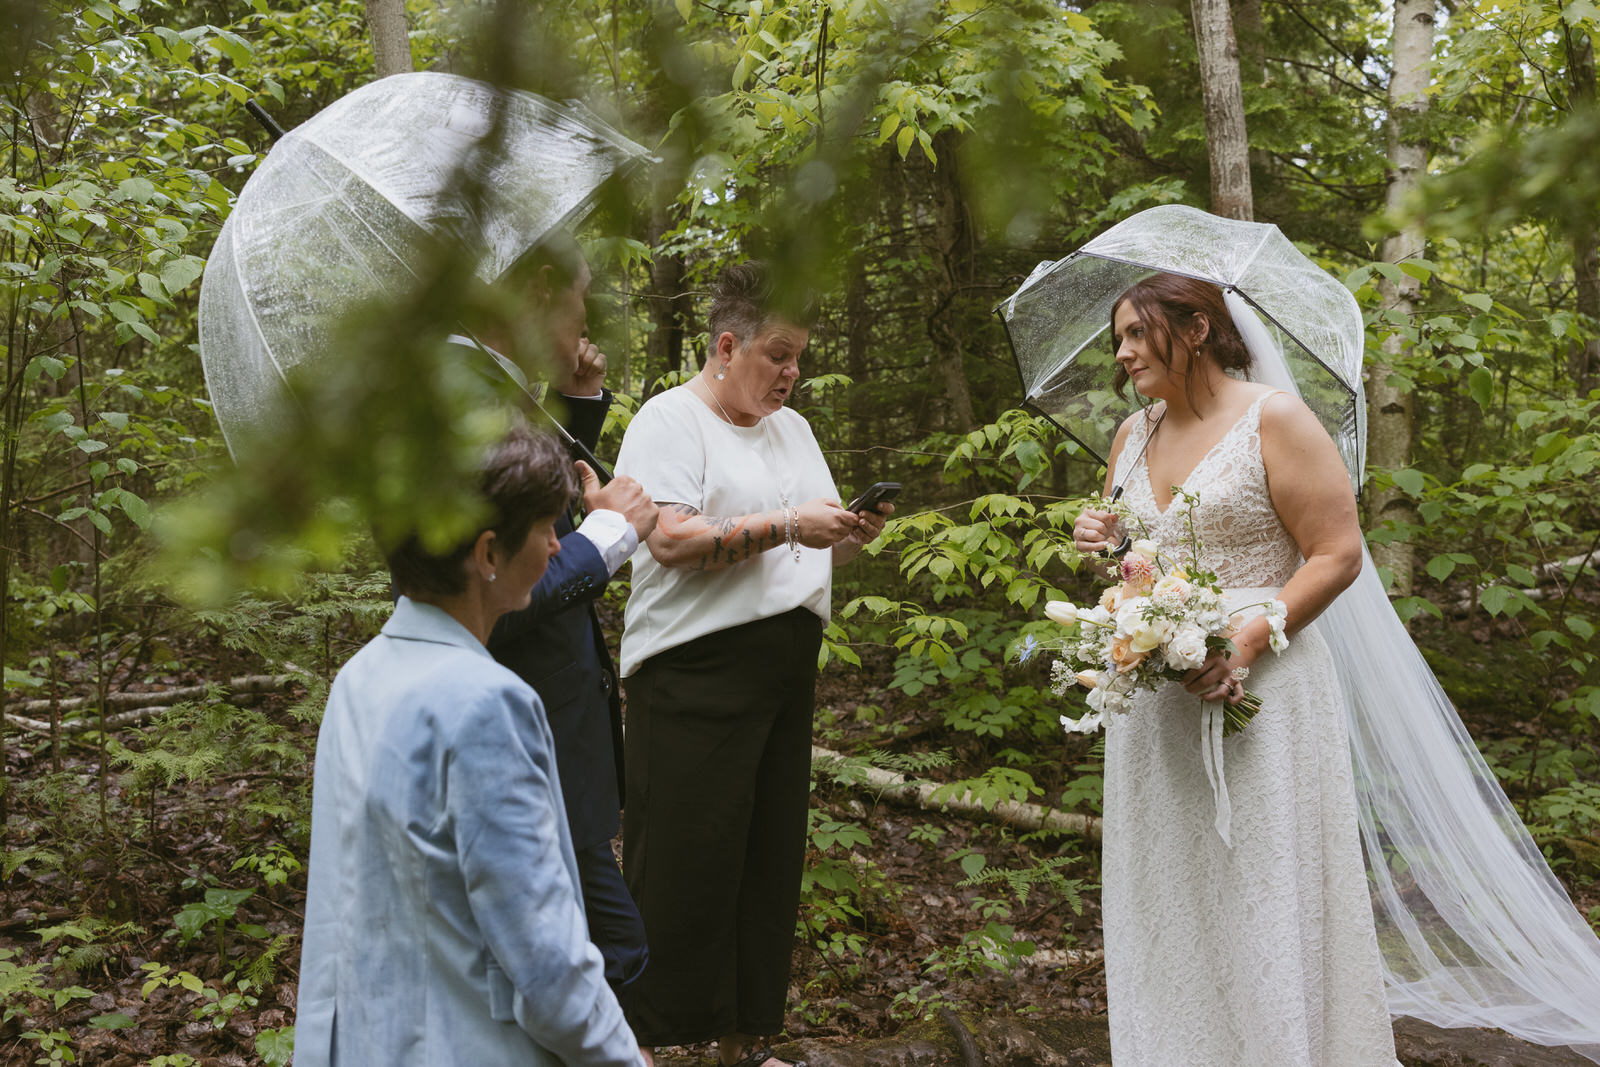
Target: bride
(1238, 925)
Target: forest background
(171, 624)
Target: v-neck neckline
(1144, 457)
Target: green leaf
(275, 1046)
(1481, 301)
(972, 864)
(1495, 598)
(113, 1021)
(1409, 482)
(1480, 386)
(1580, 626)
(1440, 567)
(139, 190)
(1521, 575)
(178, 274)
(903, 142)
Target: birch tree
(1223, 95)
(391, 41)
(1389, 419)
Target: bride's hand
(1092, 530)
(1214, 679)
(1219, 677)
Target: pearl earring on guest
(723, 373)
(491, 577)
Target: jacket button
(606, 682)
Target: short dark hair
(1166, 305)
(745, 300)
(525, 478)
(558, 250)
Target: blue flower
(1026, 648)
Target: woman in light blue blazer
(444, 922)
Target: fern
(16, 857)
(1047, 872)
(261, 970)
(98, 941)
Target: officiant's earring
(723, 373)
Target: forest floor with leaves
(898, 937)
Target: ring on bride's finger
(1239, 674)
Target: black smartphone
(876, 493)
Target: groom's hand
(588, 376)
(623, 495)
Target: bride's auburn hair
(1167, 305)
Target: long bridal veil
(1474, 928)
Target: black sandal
(760, 1056)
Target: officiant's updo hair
(1167, 304)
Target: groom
(555, 644)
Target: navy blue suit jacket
(555, 645)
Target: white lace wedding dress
(1262, 954)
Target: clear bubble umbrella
(348, 207)
(1058, 318)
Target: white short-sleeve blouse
(680, 451)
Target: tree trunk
(858, 319)
(1584, 361)
(953, 249)
(669, 305)
(1223, 94)
(391, 41)
(1389, 417)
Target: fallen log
(144, 705)
(891, 785)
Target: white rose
(1170, 592)
(1187, 650)
(1064, 612)
(1131, 614)
(1148, 634)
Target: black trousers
(614, 924)
(719, 776)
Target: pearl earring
(723, 373)
(491, 577)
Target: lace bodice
(1241, 537)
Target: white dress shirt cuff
(610, 533)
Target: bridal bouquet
(1153, 626)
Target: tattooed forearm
(686, 538)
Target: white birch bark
(1389, 414)
(1223, 95)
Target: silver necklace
(791, 515)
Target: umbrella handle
(576, 448)
(274, 131)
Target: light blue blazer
(444, 923)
